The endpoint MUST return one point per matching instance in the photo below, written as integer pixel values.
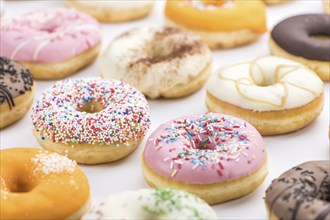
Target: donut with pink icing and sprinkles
(214, 156)
(92, 120)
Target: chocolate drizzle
(15, 80)
(302, 192)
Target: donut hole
(166, 47)
(203, 143)
(214, 2)
(266, 83)
(160, 51)
(91, 106)
(320, 37)
(262, 78)
(21, 184)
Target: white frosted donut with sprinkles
(152, 204)
(90, 119)
(217, 157)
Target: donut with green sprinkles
(152, 204)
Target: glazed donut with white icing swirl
(274, 94)
(152, 204)
(158, 61)
(91, 120)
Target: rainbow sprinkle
(57, 115)
(206, 141)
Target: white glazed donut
(158, 61)
(91, 120)
(268, 85)
(113, 11)
(152, 204)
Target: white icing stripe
(266, 84)
(20, 46)
(39, 48)
(24, 43)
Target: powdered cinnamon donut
(158, 61)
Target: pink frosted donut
(50, 36)
(218, 157)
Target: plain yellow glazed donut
(221, 25)
(16, 91)
(37, 184)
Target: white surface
(285, 151)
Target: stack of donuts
(210, 103)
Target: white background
(284, 151)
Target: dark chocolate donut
(302, 192)
(294, 36)
(15, 80)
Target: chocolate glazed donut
(294, 35)
(15, 80)
(301, 193)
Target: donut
(275, 2)
(37, 184)
(274, 94)
(226, 25)
(152, 204)
(91, 120)
(305, 39)
(16, 91)
(158, 61)
(216, 157)
(113, 11)
(52, 43)
(302, 192)
(326, 4)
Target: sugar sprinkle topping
(57, 115)
(206, 141)
(48, 163)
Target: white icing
(296, 85)
(156, 78)
(152, 204)
(118, 5)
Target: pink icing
(232, 149)
(48, 35)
